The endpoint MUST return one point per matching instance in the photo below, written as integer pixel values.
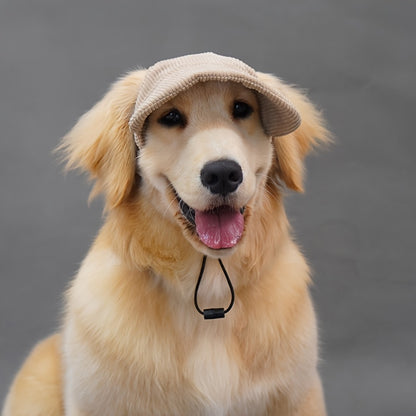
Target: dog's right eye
(241, 110)
(172, 118)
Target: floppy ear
(292, 148)
(102, 144)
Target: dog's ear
(291, 149)
(102, 144)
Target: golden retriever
(133, 341)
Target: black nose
(222, 176)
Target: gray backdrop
(356, 221)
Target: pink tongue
(219, 228)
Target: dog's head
(204, 157)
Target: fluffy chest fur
(145, 351)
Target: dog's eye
(172, 118)
(241, 110)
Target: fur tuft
(292, 148)
(102, 144)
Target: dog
(193, 299)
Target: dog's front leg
(74, 411)
(311, 404)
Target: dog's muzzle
(221, 225)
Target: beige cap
(166, 79)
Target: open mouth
(218, 228)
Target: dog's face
(206, 154)
(205, 163)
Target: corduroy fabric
(166, 79)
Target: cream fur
(132, 342)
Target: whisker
(170, 187)
(167, 208)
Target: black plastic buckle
(214, 313)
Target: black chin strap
(213, 313)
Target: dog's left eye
(172, 118)
(241, 110)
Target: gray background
(356, 221)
